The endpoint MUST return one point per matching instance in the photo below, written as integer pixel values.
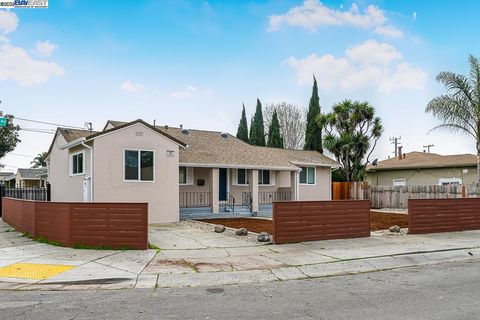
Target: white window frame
(314, 176)
(272, 178)
(188, 176)
(139, 166)
(70, 169)
(235, 178)
(441, 181)
(403, 182)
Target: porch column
(294, 185)
(253, 188)
(214, 190)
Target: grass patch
(153, 247)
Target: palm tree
(352, 131)
(39, 161)
(459, 108)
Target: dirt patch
(378, 221)
(251, 224)
(383, 221)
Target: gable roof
(214, 149)
(31, 174)
(119, 126)
(70, 135)
(423, 160)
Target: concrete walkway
(194, 257)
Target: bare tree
(292, 120)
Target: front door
(222, 184)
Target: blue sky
(195, 62)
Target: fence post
(49, 192)
(2, 189)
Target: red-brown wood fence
(116, 225)
(299, 221)
(443, 215)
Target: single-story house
(422, 168)
(177, 170)
(31, 178)
(7, 179)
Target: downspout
(91, 168)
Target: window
(182, 175)
(139, 165)
(399, 182)
(77, 163)
(264, 177)
(448, 181)
(307, 175)
(242, 176)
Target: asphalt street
(443, 291)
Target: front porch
(197, 205)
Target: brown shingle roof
(210, 148)
(118, 125)
(417, 160)
(73, 134)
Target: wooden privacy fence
(397, 197)
(116, 225)
(298, 221)
(443, 215)
(350, 190)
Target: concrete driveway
(194, 257)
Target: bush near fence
(115, 225)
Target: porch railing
(268, 197)
(195, 199)
(229, 203)
(247, 200)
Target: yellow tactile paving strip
(33, 270)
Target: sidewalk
(194, 257)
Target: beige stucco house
(422, 168)
(180, 171)
(31, 178)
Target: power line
(47, 123)
(20, 155)
(38, 131)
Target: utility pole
(395, 141)
(428, 146)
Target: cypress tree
(313, 133)
(275, 139)
(242, 132)
(257, 129)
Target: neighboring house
(31, 178)
(7, 179)
(175, 168)
(421, 168)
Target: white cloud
(17, 65)
(129, 86)
(414, 15)
(189, 91)
(372, 52)
(45, 48)
(15, 62)
(388, 32)
(8, 21)
(312, 14)
(369, 64)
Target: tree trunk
(478, 168)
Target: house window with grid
(242, 176)
(307, 175)
(139, 165)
